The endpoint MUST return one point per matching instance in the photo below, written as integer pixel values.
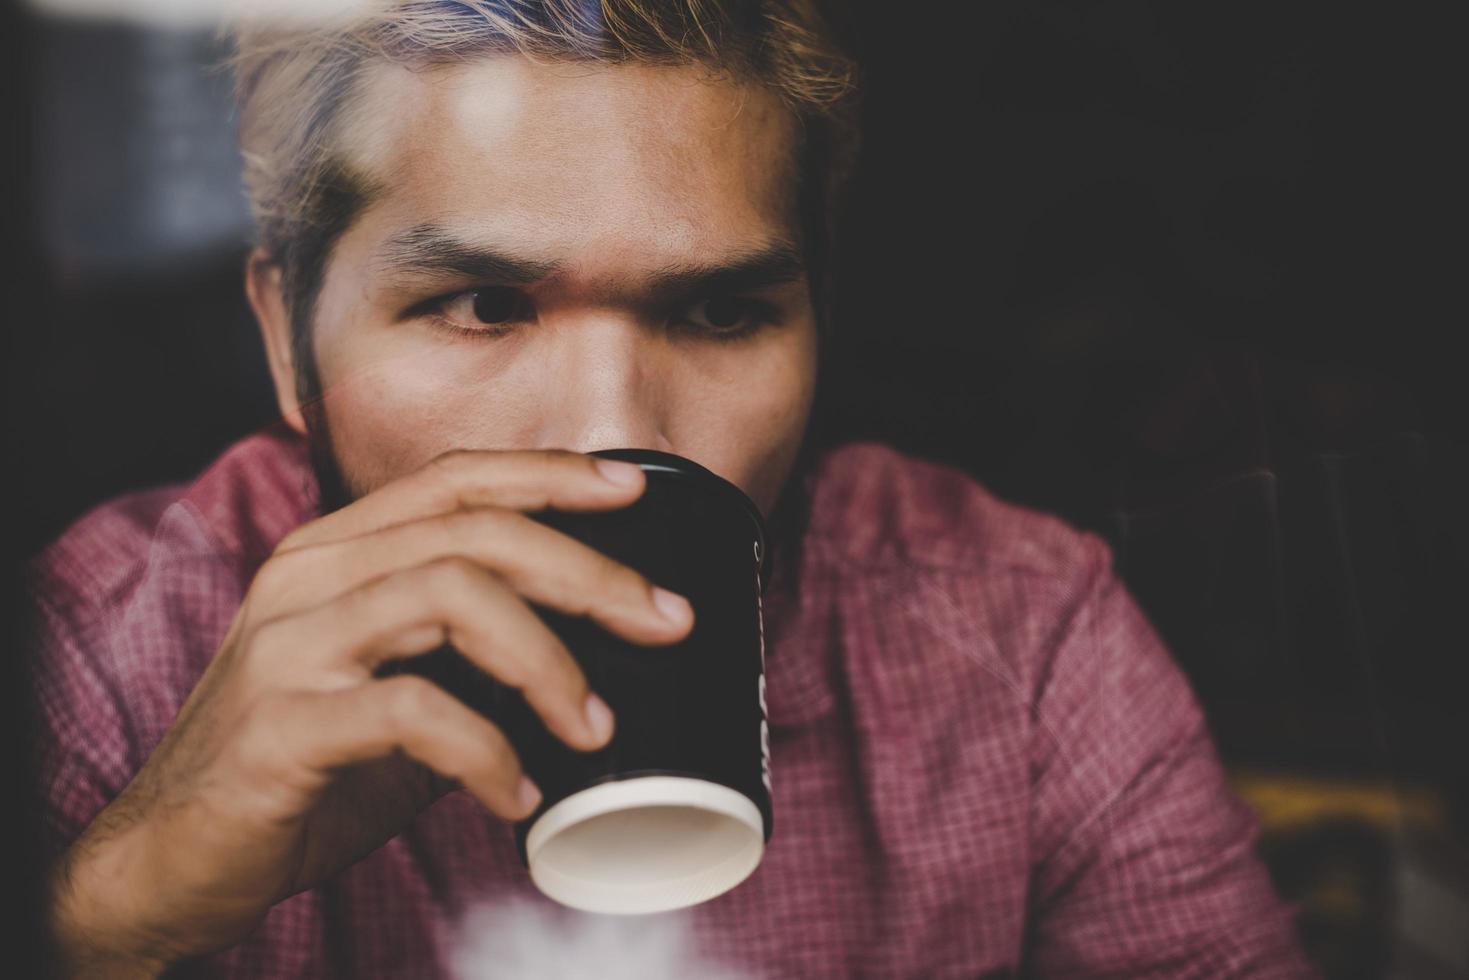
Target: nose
(608, 388)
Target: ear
(263, 287)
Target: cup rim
(699, 885)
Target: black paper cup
(675, 809)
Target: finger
(320, 732)
(524, 480)
(539, 562)
(454, 601)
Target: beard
(333, 492)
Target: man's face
(568, 256)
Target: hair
(295, 86)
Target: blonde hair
(293, 83)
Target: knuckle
(549, 667)
(539, 672)
(451, 575)
(618, 578)
(484, 532)
(272, 575)
(292, 540)
(498, 756)
(297, 538)
(454, 458)
(458, 526)
(408, 700)
(498, 763)
(489, 520)
(452, 467)
(447, 531)
(266, 636)
(264, 647)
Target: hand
(290, 761)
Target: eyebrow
(429, 250)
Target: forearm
(96, 930)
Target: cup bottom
(642, 845)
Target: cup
(676, 808)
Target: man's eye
(729, 316)
(490, 306)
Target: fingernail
(528, 794)
(599, 717)
(673, 606)
(621, 473)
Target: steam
(519, 939)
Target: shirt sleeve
(1144, 860)
(82, 743)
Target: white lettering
(765, 756)
(764, 712)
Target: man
(496, 236)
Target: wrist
(96, 930)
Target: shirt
(984, 761)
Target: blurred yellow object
(1286, 802)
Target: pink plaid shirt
(984, 760)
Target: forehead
(569, 157)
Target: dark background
(1179, 273)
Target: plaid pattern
(984, 760)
